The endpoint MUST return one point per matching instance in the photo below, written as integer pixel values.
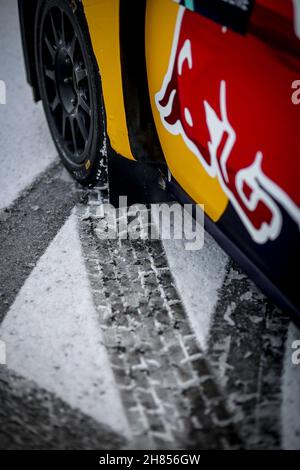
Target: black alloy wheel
(71, 88)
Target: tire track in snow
(247, 336)
(246, 347)
(167, 385)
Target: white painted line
(53, 337)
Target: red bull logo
(211, 96)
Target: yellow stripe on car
(103, 21)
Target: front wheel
(70, 88)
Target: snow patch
(26, 146)
(199, 275)
(53, 337)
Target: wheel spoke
(66, 81)
(55, 35)
(80, 74)
(64, 124)
(54, 103)
(83, 104)
(82, 127)
(50, 48)
(63, 36)
(72, 46)
(72, 122)
(50, 74)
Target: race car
(200, 98)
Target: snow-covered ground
(26, 148)
(198, 275)
(58, 343)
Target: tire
(70, 88)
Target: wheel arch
(143, 137)
(27, 16)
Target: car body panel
(161, 20)
(222, 105)
(103, 21)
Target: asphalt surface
(123, 345)
(29, 225)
